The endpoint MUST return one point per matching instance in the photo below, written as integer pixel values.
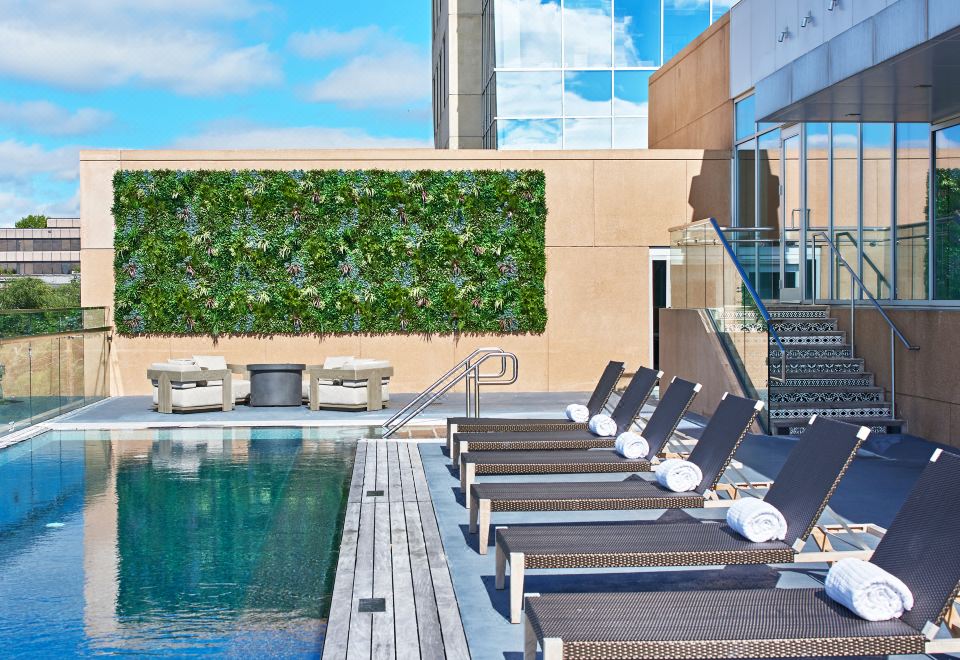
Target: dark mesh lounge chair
(674, 403)
(801, 492)
(626, 412)
(712, 453)
(920, 548)
(598, 400)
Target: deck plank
(361, 639)
(370, 470)
(394, 489)
(419, 479)
(404, 607)
(338, 623)
(407, 487)
(359, 465)
(428, 622)
(384, 635)
(382, 480)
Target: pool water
(171, 542)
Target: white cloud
(242, 135)
(14, 206)
(399, 77)
(322, 43)
(20, 161)
(111, 42)
(47, 118)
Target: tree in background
(34, 293)
(32, 222)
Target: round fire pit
(276, 384)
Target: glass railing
(51, 361)
(707, 273)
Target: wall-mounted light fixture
(833, 5)
(806, 20)
(783, 35)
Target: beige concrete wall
(928, 398)
(690, 105)
(605, 209)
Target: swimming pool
(174, 541)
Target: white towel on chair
(756, 520)
(577, 413)
(603, 426)
(632, 445)
(867, 590)
(678, 475)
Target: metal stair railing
(467, 371)
(895, 333)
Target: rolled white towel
(867, 590)
(678, 475)
(603, 426)
(756, 520)
(577, 413)
(632, 445)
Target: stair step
(830, 338)
(875, 424)
(862, 379)
(804, 325)
(825, 366)
(791, 312)
(818, 352)
(816, 395)
(844, 409)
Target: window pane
(586, 93)
(682, 21)
(528, 94)
(913, 182)
(630, 133)
(586, 38)
(946, 220)
(636, 32)
(528, 134)
(745, 118)
(528, 33)
(721, 7)
(846, 186)
(818, 204)
(630, 92)
(586, 134)
(877, 209)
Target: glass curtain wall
(574, 73)
(865, 186)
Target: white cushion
(165, 366)
(336, 362)
(210, 361)
(210, 396)
(336, 395)
(368, 363)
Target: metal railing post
(853, 320)
(893, 375)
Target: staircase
(823, 377)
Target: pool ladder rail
(467, 371)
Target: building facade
(554, 74)
(52, 254)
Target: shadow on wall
(709, 195)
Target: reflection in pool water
(214, 541)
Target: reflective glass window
(529, 134)
(745, 118)
(683, 20)
(846, 187)
(586, 93)
(529, 94)
(876, 182)
(528, 33)
(587, 26)
(946, 217)
(746, 183)
(818, 204)
(630, 133)
(630, 93)
(768, 213)
(636, 33)
(912, 230)
(587, 134)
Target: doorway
(659, 297)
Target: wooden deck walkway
(391, 550)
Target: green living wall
(366, 251)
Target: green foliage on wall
(366, 251)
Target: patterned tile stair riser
(826, 397)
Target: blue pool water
(171, 542)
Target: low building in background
(51, 254)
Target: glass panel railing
(51, 361)
(708, 274)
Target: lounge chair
(712, 453)
(673, 405)
(920, 548)
(182, 385)
(801, 491)
(595, 405)
(515, 462)
(580, 496)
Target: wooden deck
(391, 550)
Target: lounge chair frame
(165, 379)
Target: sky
(154, 74)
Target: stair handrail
(895, 332)
(473, 377)
(745, 279)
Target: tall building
(554, 74)
(52, 253)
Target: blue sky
(151, 74)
